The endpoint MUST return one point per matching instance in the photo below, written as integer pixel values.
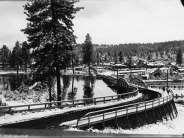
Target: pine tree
(179, 58)
(115, 57)
(50, 37)
(88, 51)
(25, 54)
(5, 54)
(16, 57)
(120, 56)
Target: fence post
(116, 118)
(88, 120)
(137, 114)
(28, 107)
(84, 102)
(127, 117)
(104, 99)
(164, 109)
(45, 106)
(103, 120)
(153, 111)
(95, 101)
(145, 112)
(160, 111)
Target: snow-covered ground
(11, 72)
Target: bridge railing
(169, 86)
(85, 101)
(115, 112)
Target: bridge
(162, 105)
(103, 116)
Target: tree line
(18, 58)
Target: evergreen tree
(5, 54)
(179, 58)
(115, 57)
(120, 56)
(88, 51)
(25, 54)
(50, 37)
(98, 58)
(16, 57)
(129, 62)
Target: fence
(116, 112)
(170, 86)
(85, 101)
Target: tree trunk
(72, 85)
(3, 65)
(25, 67)
(17, 68)
(89, 68)
(58, 83)
(49, 83)
(73, 67)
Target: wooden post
(176, 112)
(95, 101)
(137, 114)
(88, 120)
(116, 118)
(153, 111)
(104, 99)
(172, 108)
(164, 110)
(103, 120)
(127, 118)
(160, 111)
(145, 112)
(168, 109)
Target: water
(82, 86)
(12, 81)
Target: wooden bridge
(69, 103)
(102, 116)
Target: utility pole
(117, 80)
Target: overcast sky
(107, 21)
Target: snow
(11, 72)
(31, 115)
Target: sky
(107, 21)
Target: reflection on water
(88, 88)
(12, 81)
(72, 87)
(79, 87)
